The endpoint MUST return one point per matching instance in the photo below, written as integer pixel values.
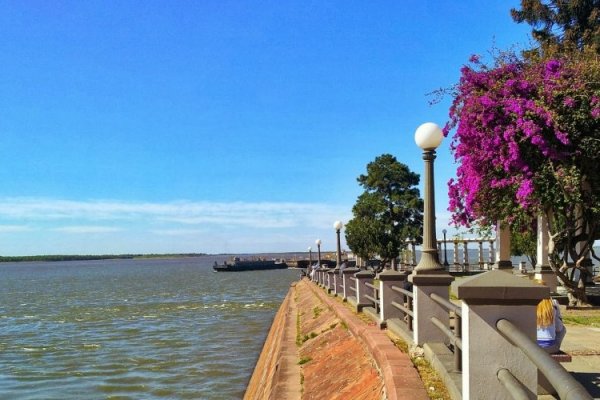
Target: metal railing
(453, 333)
(375, 297)
(407, 307)
(566, 386)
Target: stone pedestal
(362, 290)
(347, 282)
(487, 298)
(387, 295)
(424, 284)
(503, 261)
(330, 280)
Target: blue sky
(217, 126)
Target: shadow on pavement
(591, 382)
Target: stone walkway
(401, 380)
(583, 344)
(335, 365)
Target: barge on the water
(249, 265)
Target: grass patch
(585, 317)
(317, 311)
(304, 360)
(436, 390)
(344, 325)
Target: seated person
(550, 328)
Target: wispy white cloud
(178, 232)
(14, 228)
(267, 215)
(78, 229)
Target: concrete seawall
(317, 348)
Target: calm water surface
(133, 329)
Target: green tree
(387, 212)
(562, 24)
(524, 243)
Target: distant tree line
(60, 257)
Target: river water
(133, 329)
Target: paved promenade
(583, 344)
(319, 349)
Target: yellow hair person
(545, 313)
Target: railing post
(424, 285)
(346, 282)
(387, 279)
(466, 255)
(480, 254)
(542, 267)
(362, 289)
(455, 255)
(330, 280)
(486, 298)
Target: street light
(337, 225)
(428, 137)
(445, 249)
(318, 243)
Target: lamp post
(309, 256)
(318, 243)
(445, 249)
(338, 225)
(428, 137)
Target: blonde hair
(545, 313)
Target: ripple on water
(133, 329)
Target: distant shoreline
(65, 257)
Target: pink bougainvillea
(517, 124)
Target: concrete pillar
(480, 254)
(362, 290)
(347, 282)
(486, 298)
(455, 258)
(466, 254)
(413, 248)
(424, 307)
(330, 280)
(491, 253)
(542, 268)
(503, 261)
(387, 295)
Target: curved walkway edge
(401, 379)
(277, 373)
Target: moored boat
(249, 265)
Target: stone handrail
(509, 368)
(406, 307)
(566, 386)
(454, 335)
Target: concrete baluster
(347, 282)
(503, 261)
(330, 280)
(424, 285)
(455, 258)
(466, 254)
(487, 298)
(387, 279)
(480, 254)
(362, 290)
(542, 267)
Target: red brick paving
(345, 361)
